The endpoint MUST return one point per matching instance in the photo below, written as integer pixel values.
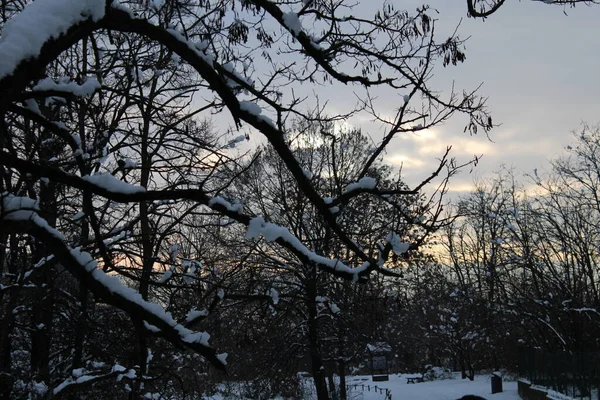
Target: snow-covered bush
(437, 373)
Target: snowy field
(447, 389)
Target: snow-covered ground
(447, 389)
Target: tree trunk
(147, 244)
(316, 360)
(43, 306)
(463, 367)
(331, 383)
(6, 329)
(342, 374)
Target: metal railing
(571, 373)
(370, 388)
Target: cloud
(432, 144)
(399, 159)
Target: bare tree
(485, 8)
(104, 112)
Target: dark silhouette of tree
(485, 8)
(108, 152)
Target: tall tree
(106, 154)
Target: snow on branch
(366, 182)
(86, 89)
(110, 183)
(235, 207)
(89, 378)
(18, 215)
(40, 21)
(198, 59)
(16, 208)
(254, 109)
(240, 110)
(398, 246)
(271, 232)
(256, 226)
(292, 22)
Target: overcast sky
(541, 72)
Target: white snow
(363, 388)
(274, 294)
(398, 246)
(194, 337)
(451, 389)
(13, 203)
(114, 285)
(16, 208)
(156, 4)
(334, 308)
(234, 84)
(112, 184)
(446, 389)
(223, 358)
(78, 216)
(272, 232)
(130, 374)
(129, 164)
(236, 207)
(250, 107)
(117, 368)
(151, 327)
(198, 48)
(233, 142)
(193, 314)
(43, 261)
(167, 275)
(114, 239)
(292, 22)
(86, 89)
(174, 252)
(254, 109)
(70, 381)
(363, 183)
(32, 105)
(40, 21)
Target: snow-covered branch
(19, 215)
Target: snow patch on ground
(447, 389)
